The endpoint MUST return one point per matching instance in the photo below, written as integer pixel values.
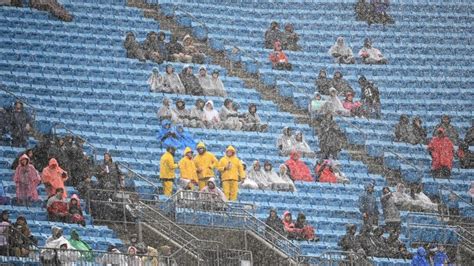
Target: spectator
(108, 174)
(58, 249)
(364, 239)
(176, 51)
(191, 50)
(381, 247)
(272, 35)
(278, 182)
(470, 192)
(285, 142)
(441, 150)
(298, 169)
(57, 207)
(229, 116)
(205, 162)
(162, 49)
(449, 130)
(21, 125)
(303, 232)
(252, 122)
(278, 58)
(151, 258)
(331, 138)
(328, 172)
(419, 201)
(323, 84)
(403, 129)
(342, 54)
(4, 123)
(171, 81)
(395, 247)
(274, 222)
(112, 257)
(167, 170)
(370, 98)
(378, 12)
(362, 10)
(134, 49)
(307, 231)
(133, 259)
(197, 118)
(355, 108)
(419, 259)
(289, 38)
(165, 112)
(469, 137)
(26, 179)
(168, 136)
(231, 170)
(368, 206)
(300, 145)
(256, 178)
(333, 105)
(466, 157)
(212, 117)
(190, 82)
(80, 245)
(349, 242)
(440, 257)
(214, 191)
(187, 167)
(371, 55)
(418, 132)
(156, 81)
(152, 49)
(20, 238)
(16, 3)
(205, 81)
(140, 246)
(75, 211)
(391, 213)
(54, 177)
(4, 231)
(315, 106)
(217, 87)
(53, 7)
(181, 114)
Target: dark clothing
(134, 49)
(275, 223)
(418, 135)
(361, 9)
(342, 86)
(19, 121)
(349, 242)
(331, 139)
(403, 130)
(469, 138)
(290, 41)
(191, 84)
(109, 175)
(174, 48)
(271, 36)
(151, 49)
(450, 131)
(53, 7)
(323, 85)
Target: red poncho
(442, 152)
(326, 176)
(52, 174)
(298, 170)
(26, 179)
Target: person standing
(368, 206)
(391, 213)
(54, 177)
(20, 125)
(167, 170)
(187, 167)
(205, 162)
(441, 150)
(27, 180)
(232, 171)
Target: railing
(406, 161)
(336, 258)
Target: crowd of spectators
(373, 12)
(51, 6)
(295, 230)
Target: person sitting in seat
(53, 7)
(279, 59)
(441, 150)
(185, 137)
(213, 191)
(315, 106)
(419, 201)
(279, 181)
(331, 138)
(371, 55)
(340, 84)
(396, 248)
(378, 12)
(156, 81)
(349, 242)
(176, 51)
(272, 35)
(75, 211)
(289, 38)
(165, 112)
(300, 145)
(419, 259)
(333, 105)
(171, 81)
(58, 207)
(167, 135)
(469, 137)
(275, 222)
(133, 47)
(362, 10)
(152, 49)
(181, 114)
(217, 87)
(78, 244)
(403, 129)
(252, 122)
(190, 82)
(255, 178)
(190, 50)
(299, 230)
(229, 116)
(355, 108)
(20, 239)
(370, 98)
(298, 169)
(418, 132)
(58, 250)
(449, 130)
(197, 115)
(212, 117)
(108, 174)
(342, 54)
(204, 81)
(285, 142)
(162, 49)
(466, 157)
(328, 172)
(323, 83)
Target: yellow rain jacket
(167, 166)
(207, 162)
(187, 167)
(236, 170)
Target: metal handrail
(446, 188)
(143, 178)
(417, 169)
(176, 7)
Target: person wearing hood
(152, 49)
(181, 114)
(391, 213)
(342, 54)
(441, 150)
(213, 193)
(58, 249)
(333, 105)
(307, 232)
(176, 51)
(285, 142)
(418, 132)
(370, 98)
(190, 50)
(300, 145)
(205, 162)
(449, 130)
(297, 168)
(4, 233)
(21, 238)
(403, 129)
(156, 81)
(278, 58)
(217, 87)
(252, 121)
(197, 116)
(75, 211)
(133, 259)
(256, 178)
(172, 82)
(133, 47)
(440, 257)
(184, 137)
(340, 84)
(165, 112)
(272, 35)
(466, 157)
(53, 177)
(371, 55)
(26, 179)
(187, 167)
(81, 246)
(57, 207)
(190, 82)
(290, 38)
(205, 81)
(162, 49)
(151, 258)
(108, 174)
(355, 108)
(368, 206)
(229, 116)
(274, 222)
(20, 125)
(315, 106)
(331, 138)
(349, 241)
(401, 199)
(327, 172)
(167, 170)
(362, 9)
(419, 258)
(289, 226)
(211, 116)
(323, 83)
(232, 171)
(279, 181)
(419, 201)
(168, 136)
